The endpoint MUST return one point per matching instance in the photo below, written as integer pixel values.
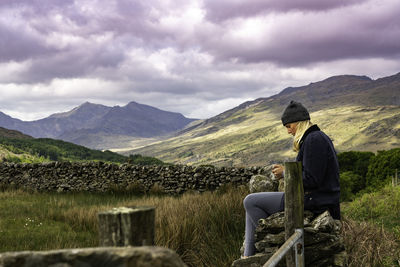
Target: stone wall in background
(104, 177)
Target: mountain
(95, 125)
(358, 113)
(7, 121)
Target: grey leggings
(259, 206)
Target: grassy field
(205, 229)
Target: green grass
(372, 228)
(48, 221)
(381, 208)
(204, 229)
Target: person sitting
(320, 174)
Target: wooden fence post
(294, 204)
(127, 226)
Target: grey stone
(324, 222)
(275, 223)
(261, 183)
(94, 257)
(264, 246)
(311, 236)
(274, 239)
(323, 244)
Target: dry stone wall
(104, 177)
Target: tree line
(362, 172)
(58, 150)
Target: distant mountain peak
(346, 78)
(86, 107)
(81, 123)
(87, 103)
(333, 83)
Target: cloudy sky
(197, 57)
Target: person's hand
(277, 170)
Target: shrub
(382, 167)
(357, 163)
(138, 159)
(346, 186)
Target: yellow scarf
(301, 128)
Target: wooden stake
(127, 226)
(294, 204)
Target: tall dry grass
(370, 245)
(204, 229)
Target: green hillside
(18, 147)
(356, 112)
(260, 137)
(47, 149)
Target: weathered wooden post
(395, 180)
(294, 208)
(127, 226)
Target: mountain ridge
(357, 112)
(131, 120)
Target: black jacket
(320, 172)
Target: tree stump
(127, 226)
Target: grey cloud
(19, 45)
(71, 63)
(314, 35)
(317, 38)
(222, 10)
(37, 6)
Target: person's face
(291, 128)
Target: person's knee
(248, 201)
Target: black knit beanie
(295, 112)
